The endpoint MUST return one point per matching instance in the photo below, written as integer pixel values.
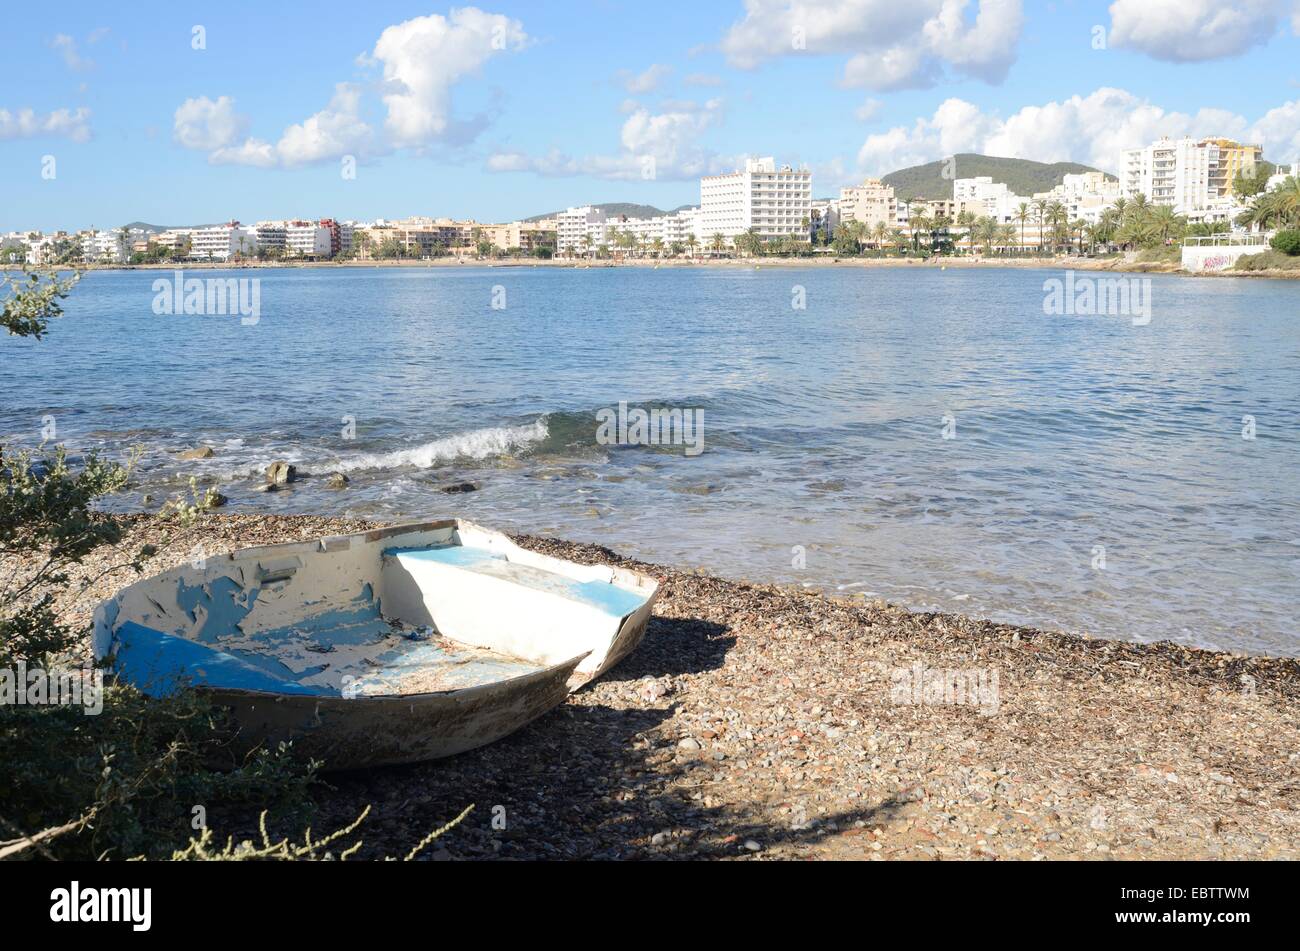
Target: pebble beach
(765, 722)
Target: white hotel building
(220, 242)
(776, 203)
(579, 229)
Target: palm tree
(1040, 212)
(1166, 223)
(986, 229)
(879, 233)
(918, 224)
(966, 220)
(1022, 215)
(691, 242)
(719, 242)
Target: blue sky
(511, 109)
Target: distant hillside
(613, 209)
(1022, 176)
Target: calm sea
(930, 437)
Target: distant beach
(1048, 263)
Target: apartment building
(1190, 175)
(986, 198)
(272, 235)
(221, 242)
(774, 202)
(1085, 196)
(579, 229)
(1234, 158)
(525, 236)
(307, 239)
(872, 203)
(109, 247)
(679, 227)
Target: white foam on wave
(476, 444)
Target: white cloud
(1092, 129)
(1186, 31)
(892, 45)
(67, 48)
(1280, 128)
(424, 57)
(664, 142)
(702, 79)
(28, 124)
(203, 123)
(648, 81)
(214, 127)
(868, 110)
(421, 60)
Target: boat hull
(394, 645)
(376, 731)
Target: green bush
(1288, 241)
(1267, 261)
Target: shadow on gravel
(674, 646)
(593, 779)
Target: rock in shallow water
(281, 473)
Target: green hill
(1022, 176)
(613, 209)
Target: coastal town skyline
(440, 109)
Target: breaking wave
(476, 444)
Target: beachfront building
(679, 227)
(271, 235)
(873, 203)
(524, 236)
(1193, 176)
(773, 202)
(106, 247)
(578, 230)
(307, 239)
(222, 242)
(1084, 196)
(176, 240)
(1234, 158)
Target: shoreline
(1055, 263)
(769, 716)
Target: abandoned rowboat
(389, 646)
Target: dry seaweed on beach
(767, 722)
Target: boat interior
(431, 608)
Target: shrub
(1288, 241)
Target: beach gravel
(761, 722)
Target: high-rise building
(774, 202)
(1190, 175)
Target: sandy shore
(763, 722)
